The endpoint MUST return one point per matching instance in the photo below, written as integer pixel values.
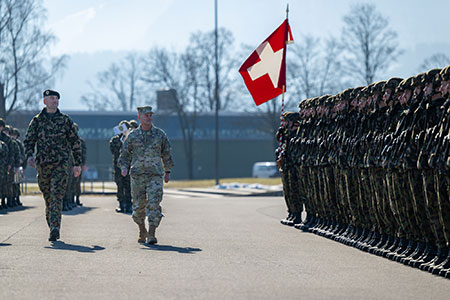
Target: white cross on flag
(264, 71)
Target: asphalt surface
(210, 247)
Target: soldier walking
(146, 155)
(55, 138)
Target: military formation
(371, 167)
(12, 165)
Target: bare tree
(24, 70)
(371, 46)
(180, 72)
(437, 60)
(120, 87)
(201, 46)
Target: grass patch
(32, 188)
(205, 183)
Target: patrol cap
(405, 84)
(345, 95)
(445, 73)
(145, 109)
(378, 86)
(355, 92)
(392, 83)
(417, 80)
(430, 76)
(291, 116)
(50, 93)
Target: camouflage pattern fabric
(52, 181)
(147, 155)
(55, 139)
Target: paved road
(210, 247)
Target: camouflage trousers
(444, 203)
(52, 181)
(385, 214)
(297, 195)
(442, 180)
(123, 187)
(3, 182)
(147, 193)
(432, 206)
(351, 188)
(341, 194)
(286, 189)
(419, 206)
(77, 185)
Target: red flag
(264, 71)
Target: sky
(96, 33)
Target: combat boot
(18, 201)
(142, 233)
(415, 254)
(287, 219)
(406, 252)
(121, 208)
(435, 265)
(10, 202)
(375, 247)
(65, 206)
(151, 238)
(445, 265)
(401, 246)
(429, 254)
(54, 235)
(78, 201)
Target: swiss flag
(264, 71)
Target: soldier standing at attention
(123, 183)
(55, 138)
(146, 155)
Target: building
(242, 142)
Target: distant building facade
(242, 142)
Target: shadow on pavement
(79, 210)
(60, 245)
(185, 250)
(4, 244)
(13, 209)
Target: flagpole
(216, 91)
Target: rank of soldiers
(371, 166)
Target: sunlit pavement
(210, 247)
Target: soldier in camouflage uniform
(55, 138)
(4, 155)
(15, 134)
(146, 156)
(122, 182)
(14, 167)
(10, 161)
(289, 174)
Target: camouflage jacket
(4, 155)
(145, 152)
(54, 137)
(115, 144)
(7, 140)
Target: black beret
(405, 84)
(51, 93)
(2, 122)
